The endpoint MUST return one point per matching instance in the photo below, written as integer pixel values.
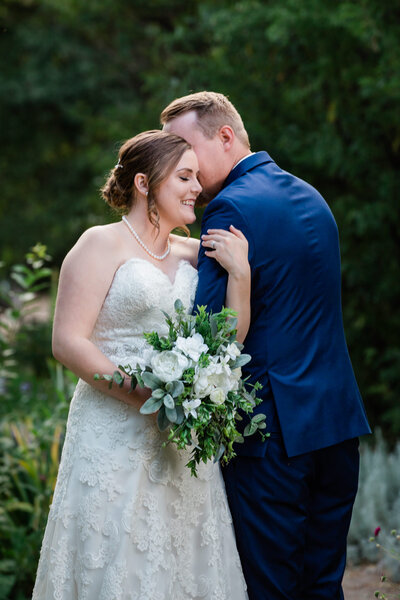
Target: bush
(377, 504)
(35, 391)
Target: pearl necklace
(135, 235)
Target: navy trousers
(291, 518)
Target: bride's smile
(176, 197)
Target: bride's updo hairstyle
(154, 153)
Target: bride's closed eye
(184, 178)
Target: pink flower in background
(376, 532)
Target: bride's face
(177, 194)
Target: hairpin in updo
(118, 165)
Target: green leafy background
(318, 85)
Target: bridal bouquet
(195, 376)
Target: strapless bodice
(139, 292)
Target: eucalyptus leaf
(175, 388)
(247, 396)
(213, 326)
(169, 401)
(258, 418)
(239, 439)
(232, 323)
(151, 380)
(118, 378)
(241, 360)
(158, 393)
(171, 414)
(162, 421)
(250, 429)
(178, 305)
(151, 405)
(180, 415)
(219, 453)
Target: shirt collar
(244, 158)
(246, 164)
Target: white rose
(217, 396)
(169, 365)
(192, 346)
(215, 375)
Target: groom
(291, 497)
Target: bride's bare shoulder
(186, 248)
(109, 233)
(97, 244)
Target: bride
(128, 522)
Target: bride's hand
(229, 248)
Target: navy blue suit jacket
(296, 337)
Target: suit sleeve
(213, 279)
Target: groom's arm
(211, 289)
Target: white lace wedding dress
(128, 521)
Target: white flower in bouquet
(232, 351)
(197, 360)
(221, 365)
(215, 375)
(189, 407)
(169, 365)
(192, 346)
(202, 386)
(217, 396)
(236, 374)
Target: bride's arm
(85, 277)
(230, 249)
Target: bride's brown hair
(154, 153)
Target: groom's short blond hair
(213, 111)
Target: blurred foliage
(318, 85)
(377, 505)
(34, 393)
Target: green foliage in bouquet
(194, 373)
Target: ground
(361, 583)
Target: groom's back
(296, 336)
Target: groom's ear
(227, 137)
